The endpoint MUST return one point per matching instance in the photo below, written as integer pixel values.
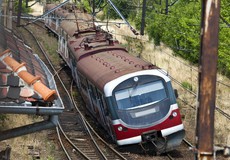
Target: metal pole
(19, 12)
(26, 3)
(9, 15)
(122, 17)
(207, 79)
(143, 18)
(94, 14)
(49, 11)
(166, 7)
(94, 8)
(0, 11)
(30, 128)
(5, 12)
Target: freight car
(132, 99)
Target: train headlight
(120, 128)
(135, 79)
(174, 114)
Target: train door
(84, 90)
(61, 41)
(66, 48)
(53, 22)
(97, 105)
(47, 19)
(101, 107)
(64, 44)
(107, 118)
(73, 64)
(57, 24)
(50, 19)
(93, 97)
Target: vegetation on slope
(177, 26)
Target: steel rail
(89, 132)
(71, 143)
(62, 145)
(91, 128)
(74, 103)
(48, 59)
(59, 126)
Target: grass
(187, 86)
(3, 117)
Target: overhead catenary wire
(47, 12)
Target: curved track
(76, 136)
(84, 140)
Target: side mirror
(176, 93)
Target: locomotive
(132, 99)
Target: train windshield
(140, 95)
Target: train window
(140, 95)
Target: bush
(187, 86)
(3, 117)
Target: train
(131, 98)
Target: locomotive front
(143, 109)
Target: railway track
(82, 140)
(76, 136)
(183, 152)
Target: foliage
(134, 46)
(180, 30)
(178, 26)
(24, 8)
(50, 158)
(86, 5)
(187, 86)
(3, 117)
(123, 6)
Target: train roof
(50, 6)
(62, 13)
(69, 25)
(102, 60)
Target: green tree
(180, 30)
(24, 8)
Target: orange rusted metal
(46, 93)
